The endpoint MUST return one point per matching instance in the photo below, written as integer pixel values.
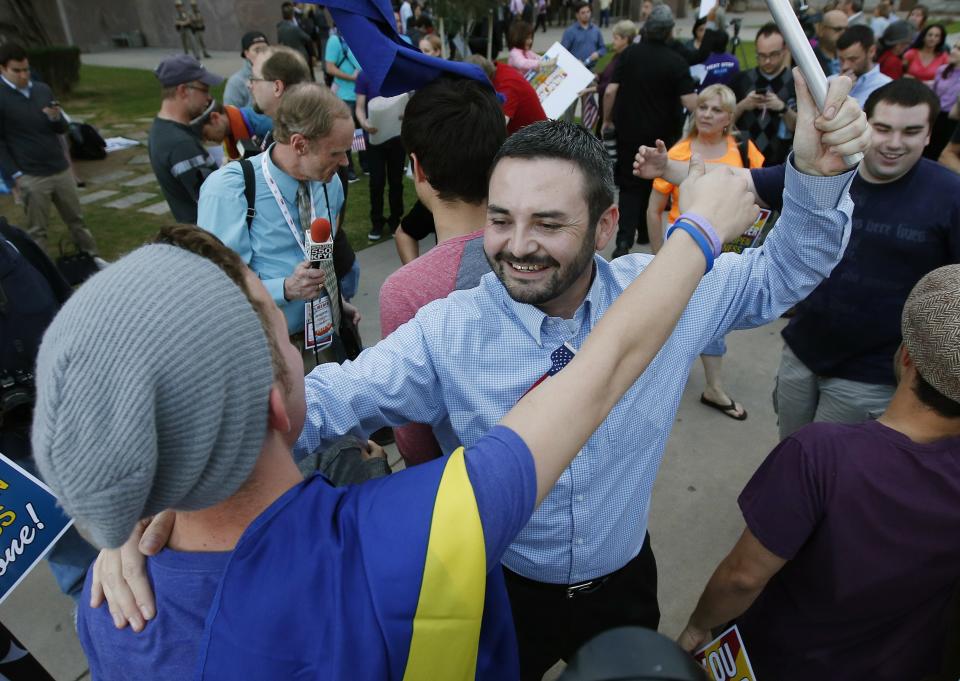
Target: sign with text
(560, 85)
(725, 658)
(30, 524)
(753, 237)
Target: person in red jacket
(522, 106)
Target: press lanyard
(282, 203)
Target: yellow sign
(725, 659)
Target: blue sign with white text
(30, 524)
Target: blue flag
(392, 65)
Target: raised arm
(629, 335)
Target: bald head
(831, 26)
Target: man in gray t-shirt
(177, 156)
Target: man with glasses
(177, 156)
(767, 98)
(829, 30)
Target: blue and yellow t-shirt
(398, 578)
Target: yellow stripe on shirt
(446, 628)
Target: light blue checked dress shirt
(465, 360)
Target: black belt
(571, 590)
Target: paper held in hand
(30, 524)
(559, 86)
(725, 658)
(386, 114)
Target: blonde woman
(713, 137)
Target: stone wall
(93, 26)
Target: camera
(17, 395)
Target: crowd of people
(249, 524)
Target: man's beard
(558, 283)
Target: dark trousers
(633, 213)
(386, 166)
(551, 625)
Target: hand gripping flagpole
(799, 46)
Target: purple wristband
(707, 230)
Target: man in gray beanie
(859, 519)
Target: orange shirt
(681, 152)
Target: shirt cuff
(17, 174)
(275, 289)
(817, 191)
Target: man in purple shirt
(852, 547)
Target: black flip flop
(728, 409)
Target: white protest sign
(559, 86)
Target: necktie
(559, 358)
(303, 205)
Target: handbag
(76, 267)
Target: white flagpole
(799, 46)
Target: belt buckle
(582, 588)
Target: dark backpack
(86, 144)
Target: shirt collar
(865, 79)
(532, 318)
(24, 91)
(288, 185)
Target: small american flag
(359, 142)
(559, 358)
(589, 111)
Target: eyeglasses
(254, 79)
(204, 90)
(772, 56)
(838, 29)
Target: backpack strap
(743, 146)
(249, 190)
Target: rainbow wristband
(707, 229)
(697, 236)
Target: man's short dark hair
(577, 6)
(11, 52)
(455, 127)
(715, 41)
(906, 92)
(934, 399)
(855, 5)
(854, 35)
(567, 142)
(286, 65)
(286, 11)
(769, 29)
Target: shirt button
(579, 497)
(580, 541)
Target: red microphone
(320, 231)
(320, 246)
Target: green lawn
(107, 96)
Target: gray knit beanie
(152, 390)
(931, 329)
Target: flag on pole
(589, 110)
(359, 141)
(392, 65)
